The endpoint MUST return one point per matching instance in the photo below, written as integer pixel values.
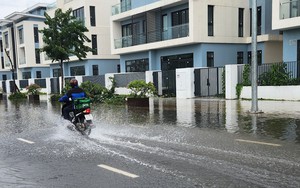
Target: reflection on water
(280, 120)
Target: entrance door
(169, 64)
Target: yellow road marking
(118, 171)
(256, 142)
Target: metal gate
(169, 82)
(208, 81)
(54, 85)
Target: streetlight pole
(254, 108)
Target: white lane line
(256, 142)
(27, 141)
(118, 171)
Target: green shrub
(96, 92)
(141, 89)
(246, 75)
(238, 89)
(277, 76)
(17, 96)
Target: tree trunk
(62, 76)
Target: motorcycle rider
(74, 93)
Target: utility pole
(254, 108)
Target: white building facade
(286, 18)
(95, 15)
(165, 35)
(21, 41)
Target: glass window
(37, 56)
(38, 74)
(210, 20)
(258, 21)
(240, 57)
(77, 71)
(4, 77)
(56, 72)
(95, 70)
(139, 65)
(79, 14)
(92, 16)
(26, 75)
(210, 59)
(241, 22)
(21, 35)
(180, 17)
(36, 33)
(259, 57)
(6, 40)
(94, 45)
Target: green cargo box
(82, 103)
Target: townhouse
(21, 41)
(170, 34)
(95, 15)
(286, 19)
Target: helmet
(73, 82)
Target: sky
(9, 6)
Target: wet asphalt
(174, 143)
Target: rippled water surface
(280, 120)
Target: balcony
(174, 32)
(121, 7)
(289, 9)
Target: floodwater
(279, 120)
(170, 131)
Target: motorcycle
(81, 116)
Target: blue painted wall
(104, 66)
(44, 71)
(290, 39)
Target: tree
(64, 37)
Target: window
(126, 30)
(36, 33)
(210, 20)
(240, 57)
(38, 74)
(56, 72)
(94, 45)
(6, 40)
(37, 56)
(26, 75)
(118, 68)
(78, 70)
(79, 14)
(138, 65)
(21, 35)
(259, 57)
(241, 22)
(92, 16)
(180, 17)
(258, 21)
(4, 77)
(210, 59)
(95, 70)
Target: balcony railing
(179, 31)
(289, 9)
(121, 7)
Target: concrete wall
(273, 92)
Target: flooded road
(174, 143)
